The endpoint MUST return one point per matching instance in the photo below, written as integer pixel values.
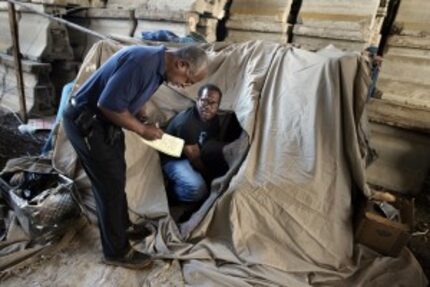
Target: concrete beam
(254, 20)
(27, 65)
(405, 71)
(174, 10)
(341, 23)
(242, 36)
(403, 159)
(399, 115)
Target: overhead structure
(180, 17)
(345, 24)
(253, 20)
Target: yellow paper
(168, 144)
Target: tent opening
(220, 164)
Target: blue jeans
(65, 94)
(186, 184)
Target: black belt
(86, 109)
(90, 113)
(86, 119)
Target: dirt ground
(14, 144)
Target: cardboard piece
(381, 234)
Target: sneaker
(137, 232)
(133, 260)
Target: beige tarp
(282, 215)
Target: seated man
(190, 175)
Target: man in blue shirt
(111, 99)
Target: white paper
(168, 144)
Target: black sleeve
(172, 127)
(176, 123)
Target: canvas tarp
(282, 214)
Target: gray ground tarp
(283, 216)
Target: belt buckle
(73, 101)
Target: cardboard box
(381, 234)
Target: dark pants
(104, 163)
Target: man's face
(208, 104)
(181, 76)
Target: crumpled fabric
(282, 215)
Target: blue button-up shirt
(125, 81)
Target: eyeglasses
(207, 102)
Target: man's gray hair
(195, 56)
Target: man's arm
(192, 152)
(141, 114)
(126, 120)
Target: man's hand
(192, 152)
(150, 132)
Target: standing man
(202, 159)
(111, 99)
